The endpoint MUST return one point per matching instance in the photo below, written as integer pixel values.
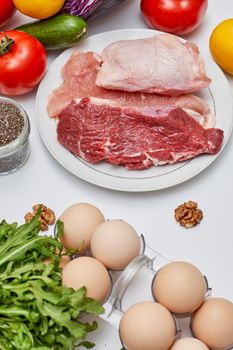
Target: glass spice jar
(14, 135)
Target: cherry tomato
(7, 9)
(22, 62)
(174, 16)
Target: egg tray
(134, 284)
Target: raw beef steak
(162, 64)
(79, 75)
(136, 138)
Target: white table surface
(43, 180)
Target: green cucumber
(58, 32)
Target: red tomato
(174, 16)
(23, 66)
(7, 9)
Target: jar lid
(17, 143)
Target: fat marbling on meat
(162, 64)
(134, 137)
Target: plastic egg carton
(134, 284)
(149, 277)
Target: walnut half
(188, 214)
(46, 218)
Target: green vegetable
(36, 312)
(57, 32)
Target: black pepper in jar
(11, 123)
(14, 136)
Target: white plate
(105, 175)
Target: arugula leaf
(36, 311)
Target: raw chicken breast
(79, 75)
(162, 64)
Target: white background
(209, 246)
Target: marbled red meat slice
(136, 138)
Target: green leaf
(86, 344)
(36, 311)
(59, 229)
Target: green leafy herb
(36, 311)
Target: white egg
(188, 344)
(80, 221)
(88, 272)
(115, 243)
(147, 326)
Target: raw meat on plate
(162, 64)
(134, 137)
(79, 75)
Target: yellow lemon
(221, 45)
(39, 9)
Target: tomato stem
(5, 45)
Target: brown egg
(147, 326)
(180, 287)
(88, 272)
(188, 344)
(115, 243)
(80, 221)
(212, 323)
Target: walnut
(46, 218)
(28, 216)
(188, 214)
(37, 206)
(49, 216)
